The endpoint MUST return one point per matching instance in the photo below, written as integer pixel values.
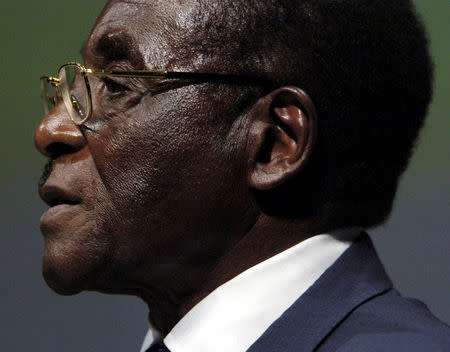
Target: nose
(56, 134)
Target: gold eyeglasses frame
(200, 77)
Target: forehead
(146, 30)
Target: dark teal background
(36, 38)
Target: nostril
(56, 149)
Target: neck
(267, 237)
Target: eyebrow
(115, 47)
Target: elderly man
(220, 159)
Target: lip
(54, 195)
(55, 210)
(57, 218)
(62, 201)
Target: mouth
(60, 200)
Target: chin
(60, 283)
(67, 271)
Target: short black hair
(366, 65)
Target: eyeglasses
(72, 86)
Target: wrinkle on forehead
(159, 30)
(136, 20)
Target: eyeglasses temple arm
(219, 78)
(197, 76)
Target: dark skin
(154, 197)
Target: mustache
(46, 172)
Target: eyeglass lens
(72, 89)
(49, 95)
(74, 92)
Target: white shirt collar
(236, 314)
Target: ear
(282, 135)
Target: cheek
(139, 156)
(131, 174)
(136, 171)
(168, 180)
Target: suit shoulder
(396, 313)
(390, 322)
(395, 341)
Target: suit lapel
(357, 276)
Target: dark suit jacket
(352, 307)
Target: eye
(114, 87)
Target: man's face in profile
(144, 187)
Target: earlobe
(282, 136)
